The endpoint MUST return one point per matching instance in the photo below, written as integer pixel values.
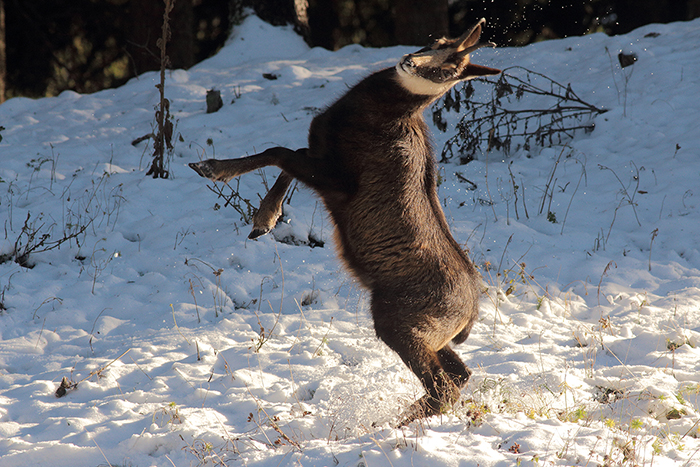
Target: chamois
(370, 160)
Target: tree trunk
(3, 56)
(693, 9)
(419, 21)
(301, 18)
(281, 12)
(145, 23)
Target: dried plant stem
(605, 272)
(176, 326)
(549, 187)
(164, 134)
(495, 217)
(654, 233)
(566, 214)
(626, 197)
(488, 124)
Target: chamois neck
(388, 94)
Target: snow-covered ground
(191, 345)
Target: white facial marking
(421, 86)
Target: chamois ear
(470, 38)
(473, 70)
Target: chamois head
(435, 69)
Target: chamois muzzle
(434, 69)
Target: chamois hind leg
(270, 208)
(454, 366)
(427, 365)
(442, 393)
(443, 387)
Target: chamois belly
(412, 269)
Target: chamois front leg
(317, 173)
(270, 208)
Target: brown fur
(371, 162)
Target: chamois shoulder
(382, 92)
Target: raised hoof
(255, 233)
(203, 168)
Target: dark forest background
(47, 46)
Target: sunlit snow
(192, 345)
